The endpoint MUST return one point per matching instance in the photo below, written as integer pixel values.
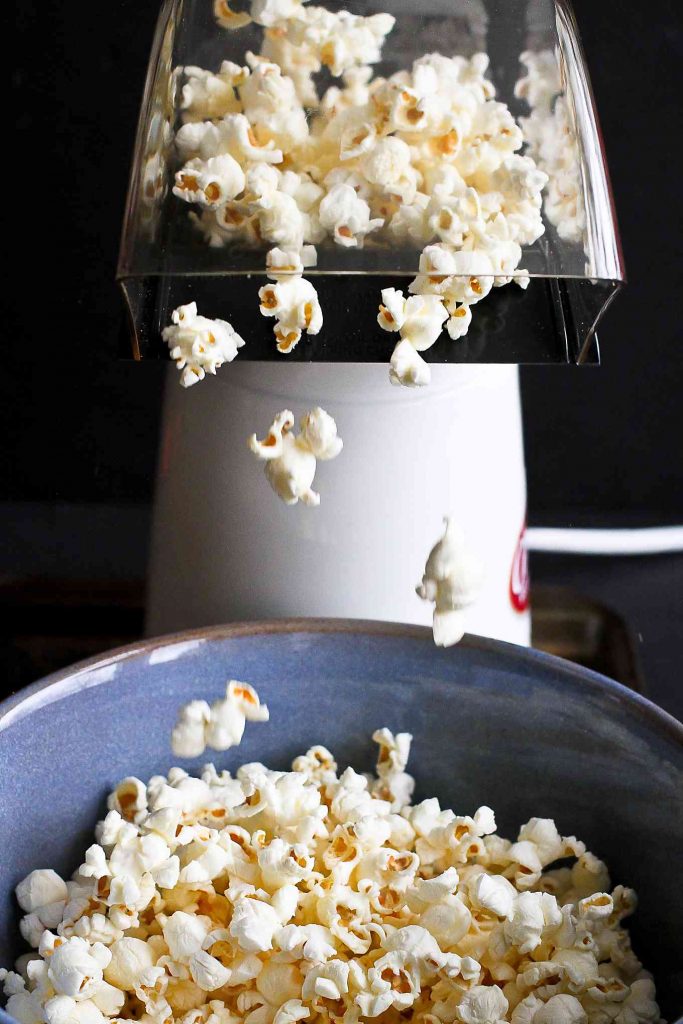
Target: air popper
(379, 211)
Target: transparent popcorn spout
(382, 145)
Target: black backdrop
(77, 425)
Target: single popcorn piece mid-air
(291, 458)
(219, 725)
(199, 345)
(292, 300)
(452, 580)
(427, 158)
(322, 894)
(407, 366)
(418, 320)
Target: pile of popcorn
(273, 897)
(426, 158)
(552, 143)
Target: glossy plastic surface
(165, 262)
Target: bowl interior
(527, 734)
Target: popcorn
(235, 135)
(199, 345)
(293, 301)
(282, 263)
(459, 321)
(340, 40)
(346, 216)
(291, 459)
(552, 143)
(452, 579)
(291, 1012)
(207, 972)
(407, 367)
(130, 800)
(219, 726)
(227, 18)
(274, 896)
(493, 894)
(43, 896)
(319, 432)
(311, 942)
(75, 967)
(272, 106)
(469, 277)
(271, 12)
(448, 920)
(541, 84)
(419, 320)
(253, 925)
(388, 165)
(189, 733)
(130, 958)
(206, 95)
(532, 914)
(210, 183)
(42, 888)
(483, 1004)
(561, 1009)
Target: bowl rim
(645, 709)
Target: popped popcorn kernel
(227, 18)
(321, 893)
(220, 725)
(291, 300)
(452, 580)
(199, 345)
(290, 460)
(347, 217)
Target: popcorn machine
(367, 194)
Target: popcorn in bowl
(323, 894)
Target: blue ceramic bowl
(526, 733)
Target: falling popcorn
(220, 725)
(452, 580)
(322, 894)
(407, 366)
(419, 320)
(199, 345)
(291, 459)
(292, 300)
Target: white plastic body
(225, 548)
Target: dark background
(80, 426)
